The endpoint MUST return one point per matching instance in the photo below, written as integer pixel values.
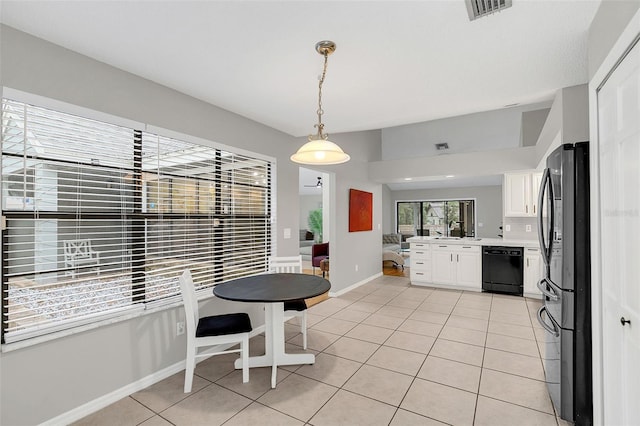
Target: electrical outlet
(507, 228)
(356, 268)
(179, 328)
(527, 228)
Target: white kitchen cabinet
(520, 193)
(443, 268)
(533, 272)
(456, 265)
(469, 267)
(420, 263)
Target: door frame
(627, 39)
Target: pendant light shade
(319, 150)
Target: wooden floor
(388, 268)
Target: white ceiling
(396, 62)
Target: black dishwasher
(502, 269)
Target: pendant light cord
(320, 111)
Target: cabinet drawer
(468, 249)
(420, 276)
(420, 254)
(420, 246)
(420, 264)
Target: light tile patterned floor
(387, 353)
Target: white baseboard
(354, 286)
(108, 399)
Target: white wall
(488, 204)
(45, 380)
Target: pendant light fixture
(319, 150)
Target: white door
(619, 180)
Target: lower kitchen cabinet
(533, 272)
(420, 263)
(456, 265)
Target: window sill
(132, 312)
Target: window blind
(101, 219)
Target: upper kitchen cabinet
(520, 193)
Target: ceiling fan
(317, 185)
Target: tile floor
(387, 353)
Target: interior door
(619, 159)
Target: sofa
(391, 242)
(306, 241)
(391, 246)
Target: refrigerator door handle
(544, 184)
(548, 293)
(550, 328)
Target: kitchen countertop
(476, 241)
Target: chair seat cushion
(218, 325)
(295, 305)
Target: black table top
(272, 288)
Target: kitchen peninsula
(456, 263)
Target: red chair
(319, 252)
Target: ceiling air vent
(480, 8)
(442, 146)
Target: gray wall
(388, 212)
(45, 380)
(471, 132)
(488, 204)
(567, 122)
(611, 18)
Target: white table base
(274, 344)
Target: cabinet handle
(527, 263)
(419, 252)
(526, 208)
(624, 321)
(452, 257)
(457, 258)
(441, 246)
(534, 209)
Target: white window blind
(102, 219)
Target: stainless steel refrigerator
(563, 231)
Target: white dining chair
(211, 331)
(297, 308)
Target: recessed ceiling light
(449, 176)
(408, 178)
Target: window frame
(421, 202)
(141, 307)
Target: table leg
(274, 344)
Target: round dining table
(273, 290)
